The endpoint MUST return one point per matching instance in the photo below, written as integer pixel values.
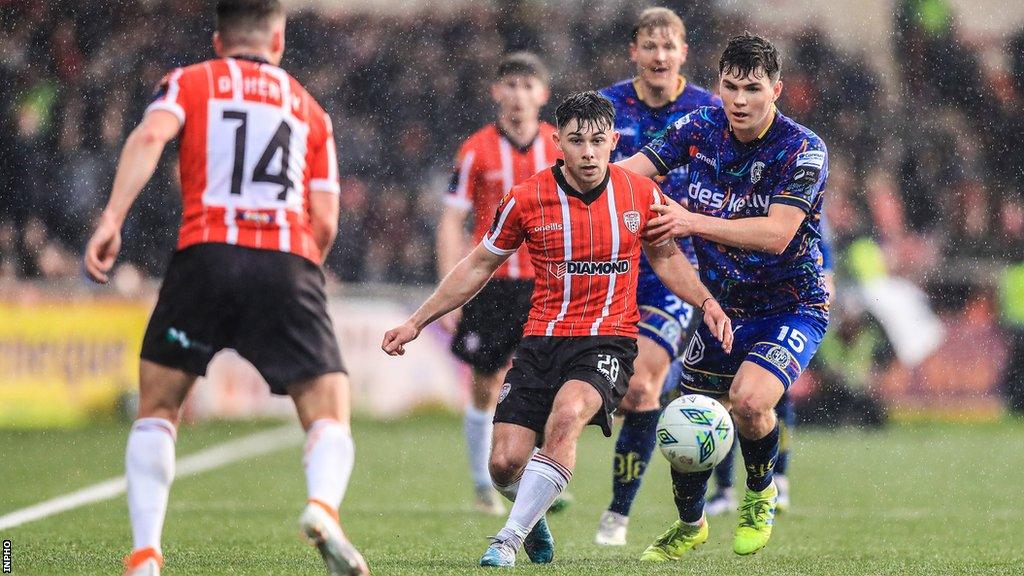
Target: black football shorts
(543, 363)
(492, 324)
(268, 306)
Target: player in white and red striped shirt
(260, 194)
(582, 221)
(488, 328)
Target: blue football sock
(688, 490)
(632, 453)
(786, 413)
(759, 458)
(723, 472)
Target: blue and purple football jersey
(663, 316)
(731, 179)
(639, 124)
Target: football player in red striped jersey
(260, 195)
(487, 329)
(582, 221)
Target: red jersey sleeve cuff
(457, 202)
(168, 106)
(323, 185)
(495, 250)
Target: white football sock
(509, 491)
(542, 482)
(477, 427)
(328, 460)
(149, 469)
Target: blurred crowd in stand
(928, 166)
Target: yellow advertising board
(64, 361)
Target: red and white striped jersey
(254, 144)
(584, 246)
(487, 167)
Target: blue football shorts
(664, 317)
(782, 344)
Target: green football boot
(757, 515)
(678, 540)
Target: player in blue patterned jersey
(723, 499)
(754, 197)
(645, 106)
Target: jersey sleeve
(462, 189)
(657, 198)
(803, 177)
(169, 95)
(323, 161)
(507, 232)
(672, 149)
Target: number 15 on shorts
(793, 337)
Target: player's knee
(504, 467)
(751, 416)
(643, 394)
(569, 412)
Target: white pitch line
(215, 457)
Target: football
(695, 433)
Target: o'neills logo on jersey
(694, 153)
(587, 268)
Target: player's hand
(450, 321)
(396, 339)
(102, 249)
(719, 323)
(673, 221)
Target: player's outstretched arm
(139, 157)
(640, 164)
(451, 247)
(771, 233)
(461, 284)
(681, 279)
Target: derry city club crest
(632, 220)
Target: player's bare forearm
(451, 240)
(323, 218)
(681, 279)
(771, 233)
(139, 157)
(640, 164)
(676, 273)
(464, 281)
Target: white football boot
(488, 501)
(143, 562)
(721, 502)
(782, 483)
(320, 528)
(611, 530)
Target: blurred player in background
(260, 195)
(582, 221)
(723, 499)
(488, 328)
(755, 191)
(644, 107)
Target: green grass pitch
(912, 499)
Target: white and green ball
(695, 433)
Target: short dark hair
(524, 63)
(747, 53)
(588, 108)
(658, 17)
(236, 19)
